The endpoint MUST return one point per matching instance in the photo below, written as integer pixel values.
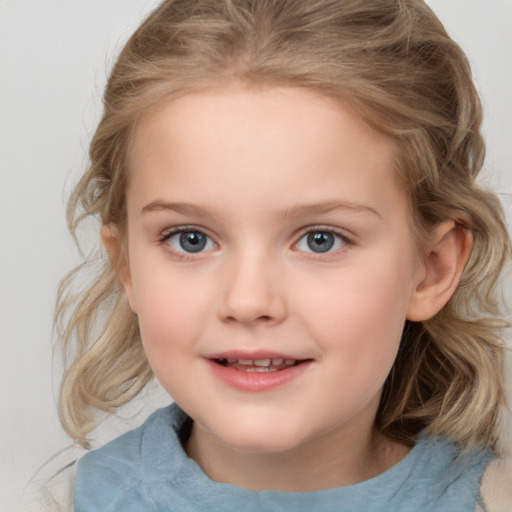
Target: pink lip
(253, 356)
(255, 381)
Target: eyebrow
(286, 213)
(183, 208)
(311, 209)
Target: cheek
(359, 317)
(170, 325)
(369, 302)
(170, 308)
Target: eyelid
(167, 234)
(342, 233)
(348, 241)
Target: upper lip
(257, 355)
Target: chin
(268, 440)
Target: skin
(254, 170)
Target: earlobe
(443, 266)
(112, 244)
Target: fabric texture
(147, 470)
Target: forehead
(270, 106)
(259, 144)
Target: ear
(117, 255)
(443, 266)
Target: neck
(332, 460)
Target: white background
(53, 60)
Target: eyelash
(346, 241)
(183, 255)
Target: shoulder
(437, 476)
(117, 470)
(130, 447)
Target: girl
(299, 253)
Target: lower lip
(256, 381)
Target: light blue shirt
(147, 470)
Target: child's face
(269, 226)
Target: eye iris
(320, 241)
(192, 241)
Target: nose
(254, 291)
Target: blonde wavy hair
(394, 63)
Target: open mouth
(262, 372)
(259, 365)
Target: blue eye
(321, 241)
(190, 241)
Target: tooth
(289, 362)
(231, 360)
(262, 362)
(277, 362)
(246, 362)
(261, 369)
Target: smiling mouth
(259, 365)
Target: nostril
(251, 308)
(264, 319)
